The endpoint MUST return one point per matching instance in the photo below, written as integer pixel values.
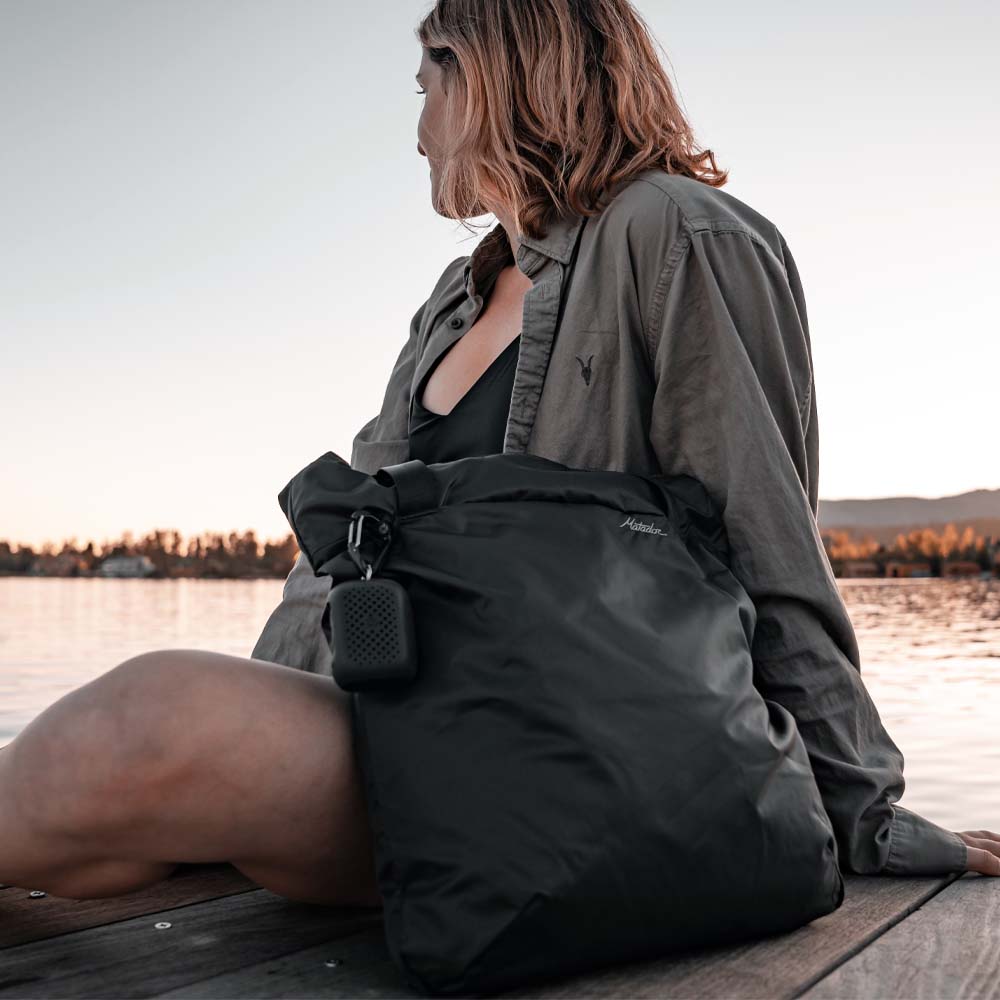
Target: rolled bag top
(319, 500)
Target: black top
(476, 423)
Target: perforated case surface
(372, 636)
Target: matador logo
(633, 525)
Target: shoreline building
(126, 566)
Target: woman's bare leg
(188, 756)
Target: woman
(682, 347)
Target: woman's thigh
(206, 757)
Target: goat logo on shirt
(585, 369)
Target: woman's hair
(551, 102)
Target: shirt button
(455, 322)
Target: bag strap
(416, 486)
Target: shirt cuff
(919, 847)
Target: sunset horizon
(190, 318)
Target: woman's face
(431, 128)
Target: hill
(884, 517)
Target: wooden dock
(208, 931)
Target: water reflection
(930, 655)
(56, 634)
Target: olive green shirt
(683, 348)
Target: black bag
(576, 769)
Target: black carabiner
(354, 533)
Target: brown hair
(558, 100)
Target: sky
(215, 227)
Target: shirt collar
(494, 251)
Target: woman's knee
(258, 754)
(88, 755)
(187, 755)
(174, 706)
(148, 716)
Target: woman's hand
(983, 851)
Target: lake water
(930, 657)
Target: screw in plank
(332, 963)
(37, 893)
(162, 925)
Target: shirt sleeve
(293, 635)
(735, 406)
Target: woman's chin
(469, 210)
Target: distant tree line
(242, 556)
(208, 555)
(924, 545)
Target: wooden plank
(949, 948)
(779, 966)
(132, 958)
(360, 967)
(24, 919)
